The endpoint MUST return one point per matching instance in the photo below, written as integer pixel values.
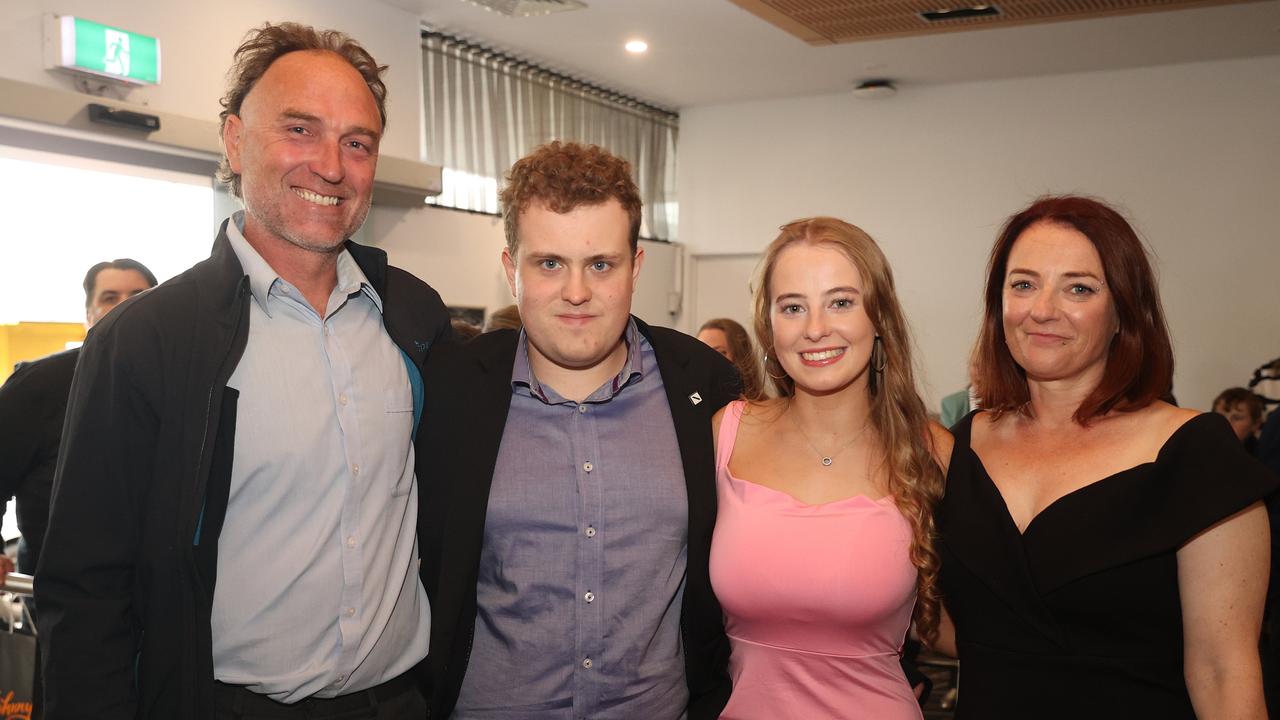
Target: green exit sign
(85, 46)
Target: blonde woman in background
(823, 553)
(731, 340)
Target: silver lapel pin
(695, 398)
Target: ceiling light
(635, 47)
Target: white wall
(197, 40)
(1192, 152)
(459, 253)
(456, 252)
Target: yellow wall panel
(31, 340)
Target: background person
(1104, 552)
(463, 330)
(731, 340)
(1243, 410)
(504, 318)
(960, 403)
(33, 404)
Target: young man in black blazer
(567, 521)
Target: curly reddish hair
(564, 175)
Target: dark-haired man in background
(233, 526)
(33, 403)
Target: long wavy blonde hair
(898, 414)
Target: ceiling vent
(825, 22)
(529, 8)
(960, 13)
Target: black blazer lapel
(698, 382)
(481, 392)
(468, 397)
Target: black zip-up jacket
(33, 402)
(125, 582)
(471, 385)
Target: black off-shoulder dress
(1079, 616)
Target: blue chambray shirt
(585, 543)
(318, 591)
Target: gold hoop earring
(771, 375)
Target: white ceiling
(704, 52)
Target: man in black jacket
(33, 403)
(572, 506)
(234, 512)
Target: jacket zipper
(202, 480)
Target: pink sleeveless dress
(817, 600)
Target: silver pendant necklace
(825, 459)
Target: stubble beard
(272, 220)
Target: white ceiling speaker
(875, 89)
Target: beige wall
(455, 252)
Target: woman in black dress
(1104, 553)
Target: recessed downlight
(636, 47)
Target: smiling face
(306, 146)
(1058, 314)
(573, 276)
(822, 335)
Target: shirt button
(342, 399)
(587, 663)
(590, 532)
(588, 466)
(351, 541)
(351, 612)
(339, 680)
(589, 597)
(582, 408)
(355, 469)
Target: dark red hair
(1140, 360)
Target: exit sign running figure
(84, 46)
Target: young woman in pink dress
(823, 554)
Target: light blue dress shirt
(318, 591)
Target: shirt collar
(632, 370)
(264, 280)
